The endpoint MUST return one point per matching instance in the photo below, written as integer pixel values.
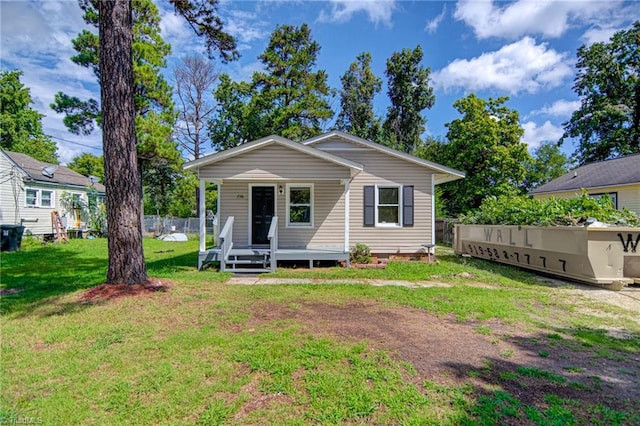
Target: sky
(523, 49)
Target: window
(39, 198)
(612, 195)
(300, 205)
(388, 206)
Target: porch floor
(302, 254)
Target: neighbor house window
(612, 195)
(300, 205)
(39, 198)
(388, 206)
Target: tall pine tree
(359, 87)
(410, 93)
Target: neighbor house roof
(229, 153)
(443, 173)
(616, 172)
(33, 171)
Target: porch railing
(226, 242)
(273, 242)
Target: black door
(262, 209)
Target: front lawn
(496, 346)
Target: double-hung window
(300, 205)
(39, 198)
(388, 206)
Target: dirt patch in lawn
(104, 292)
(489, 355)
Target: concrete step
(249, 270)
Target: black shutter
(407, 205)
(369, 206)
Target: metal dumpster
(600, 256)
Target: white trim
(38, 201)
(288, 201)
(377, 205)
(433, 214)
(250, 212)
(202, 214)
(347, 192)
(219, 212)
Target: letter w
(629, 243)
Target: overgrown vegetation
(524, 210)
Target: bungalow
(30, 190)
(314, 200)
(619, 178)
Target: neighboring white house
(619, 178)
(30, 190)
(328, 193)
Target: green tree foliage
(288, 98)
(548, 162)
(21, 125)
(236, 119)
(607, 124)
(183, 204)
(359, 86)
(486, 144)
(153, 103)
(117, 30)
(524, 210)
(410, 94)
(88, 165)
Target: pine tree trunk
(122, 179)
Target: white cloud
(561, 108)
(515, 19)
(535, 135)
(378, 11)
(523, 66)
(433, 24)
(36, 39)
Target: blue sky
(522, 49)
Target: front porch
(258, 259)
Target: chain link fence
(158, 225)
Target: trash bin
(11, 237)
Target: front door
(262, 210)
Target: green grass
(196, 355)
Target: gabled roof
(443, 174)
(32, 170)
(619, 171)
(269, 140)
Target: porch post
(202, 214)
(433, 214)
(346, 214)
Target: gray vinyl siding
(234, 201)
(382, 169)
(328, 220)
(629, 197)
(328, 212)
(274, 162)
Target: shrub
(360, 253)
(524, 210)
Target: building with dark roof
(31, 189)
(619, 178)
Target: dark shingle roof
(619, 171)
(63, 175)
